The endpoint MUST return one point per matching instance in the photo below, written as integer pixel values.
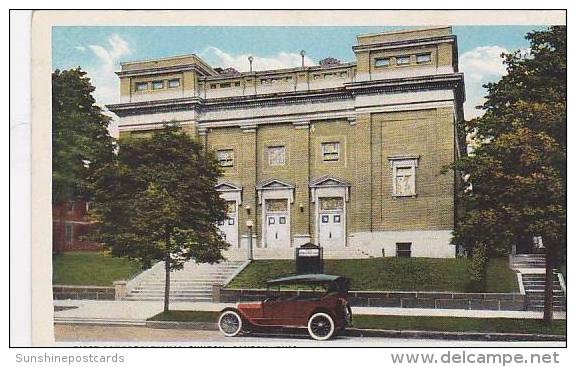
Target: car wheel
(230, 323)
(321, 326)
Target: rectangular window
(330, 151)
(404, 249)
(225, 85)
(385, 61)
(404, 181)
(69, 232)
(276, 155)
(225, 157)
(402, 60)
(212, 86)
(423, 58)
(70, 205)
(174, 83)
(158, 84)
(236, 84)
(141, 86)
(404, 175)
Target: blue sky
(99, 50)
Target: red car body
(294, 312)
(298, 311)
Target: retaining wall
(440, 300)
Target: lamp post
(249, 225)
(302, 53)
(250, 59)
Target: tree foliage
(159, 199)
(158, 202)
(517, 171)
(80, 139)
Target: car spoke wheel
(230, 323)
(321, 326)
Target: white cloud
(480, 65)
(102, 72)
(109, 56)
(216, 57)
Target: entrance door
(229, 227)
(277, 223)
(331, 222)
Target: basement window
(404, 249)
(158, 84)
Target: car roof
(305, 278)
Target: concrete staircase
(532, 273)
(527, 261)
(191, 284)
(534, 289)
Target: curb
(453, 335)
(193, 325)
(371, 333)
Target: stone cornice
(444, 81)
(404, 43)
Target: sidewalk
(136, 312)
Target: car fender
(323, 310)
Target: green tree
(517, 171)
(80, 139)
(158, 202)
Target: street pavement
(100, 335)
(136, 312)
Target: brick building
(345, 155)
(70, 224)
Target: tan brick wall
(403, 35)
(428, 133)
(360, 215)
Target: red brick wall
(73, 216)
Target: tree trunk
(549, 288)
(167, 281)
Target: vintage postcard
(299, 178)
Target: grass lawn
(91, 268)
(427, 323)
(197, 316)
(391, 273)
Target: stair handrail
(236, 272)
(520, 283)
(562, 282)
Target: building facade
(70, 225)
(344, 155)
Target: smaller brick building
(70, 224)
